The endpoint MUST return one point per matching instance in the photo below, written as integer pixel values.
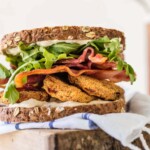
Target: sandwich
(58, 71)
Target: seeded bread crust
(57, 33)
(41, 114)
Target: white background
(127, 15)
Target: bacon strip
(3, 81)
(2, 86)
(106, 65)
(99, 74)
(35, 79)
(88, 57)
(78, 66)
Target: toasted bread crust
(57, 33)
(41, 114)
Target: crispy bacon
(13, 66)
(112, 75)
(85, 61)
(2, 86)
(35, 79)
(34, 82)
(98, 59)
(3, 81)
(106, 65)
(78, 66)
(99, 74)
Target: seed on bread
(36, 109)
(65, 27)
(86, 29)
(9, 42)
(16, 111)
(17, 39)
(70, 37)
(49, 112)
(59, 109)
(90, 34)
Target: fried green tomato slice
(103, 89)
(64, 92)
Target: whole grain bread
(41, 114)
(57, 33)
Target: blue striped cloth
(124, 127)
(77, 121)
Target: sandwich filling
(78, 71)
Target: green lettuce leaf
(64, 56)
(120, 65)
(25, 47)
(130, 72)
(29, 55)
(37, 65)
(49, 58)
(63, 47)
(14, 60)
(12, 94)
(4, 72)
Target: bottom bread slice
(48, 113)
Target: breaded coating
(1, 95)
(38, 95)
(25, 95)
(65, 92)
(101, 88)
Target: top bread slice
(58, 33)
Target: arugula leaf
(101, 42)
(24, 47)
(4, 72)
(12, 94)
(120, 65)
(64, 56)
(130, 72)
(63, 47)
(15, 60)
(104, 39)
(94, 46)
(114, 44)
(49, 58)
(112, 55)
(36, 65)
(29, 55)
